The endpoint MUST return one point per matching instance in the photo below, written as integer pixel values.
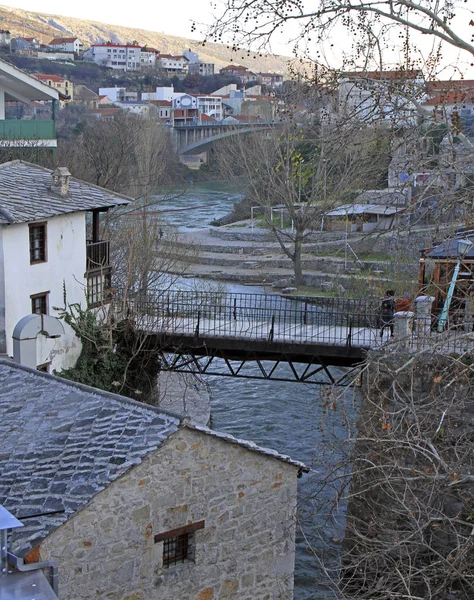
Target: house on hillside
(129, 501)
(45, 250)
(67, 44)
(63, 85)
(120, 57)
(272, 80)
(86, 97)
(25, 44)
(173, 65)
(105, 113)
(239, 71)
(5, 37)
(148, 57)
(136, 107)
(449, 105)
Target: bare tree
(255, 23)
(300, 170)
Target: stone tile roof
(62, 443)
(26, 195)
(249, 445)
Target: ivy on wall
(115, 357)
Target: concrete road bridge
(196, 138)
(223, 333)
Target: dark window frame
(178, 544)
(33, 237)
(36, 306)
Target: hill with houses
(45, 27)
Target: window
(37, 243)
(178, 544)
(39, 303)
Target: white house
(173, 64)
(67, 44)
(210, 106)
(131, 501)
(121, 57)
(44, 251)
(117, 94)
(148, 56)
(136, 107)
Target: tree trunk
(297, 261)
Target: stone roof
(26, 195)
(62, 443)
(249, 445)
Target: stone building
(135, 502)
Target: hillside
(45, 27)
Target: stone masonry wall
(245, 551)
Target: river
(297, 419)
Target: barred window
(175, 549)
(178, 544)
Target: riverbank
(332, 264)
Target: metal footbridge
(222, 333)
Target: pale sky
(163, 15)
(175, 18)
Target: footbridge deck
(193, 329)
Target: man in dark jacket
(387, 309)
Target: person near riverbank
(387, 310)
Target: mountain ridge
(45, 27)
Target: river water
(304, 421)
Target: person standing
(387, 310)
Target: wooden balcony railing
(97, 255)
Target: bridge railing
(255, 316)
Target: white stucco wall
(66, 262)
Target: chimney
(60, 181)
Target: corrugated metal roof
(360, 209)
(26, 586)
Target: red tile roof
(445, 86)
(105, 112)
(234, 68)
(44, 77)
(384, 75)
(115, 46)
(207, 118)
(58, 41)
(457, 97)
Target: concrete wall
(66, 262)
(245, 551)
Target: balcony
(97, 256)
(28, 132)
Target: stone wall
(245, 551)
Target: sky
(163, 17)
(158, 15)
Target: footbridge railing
(258, 317)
